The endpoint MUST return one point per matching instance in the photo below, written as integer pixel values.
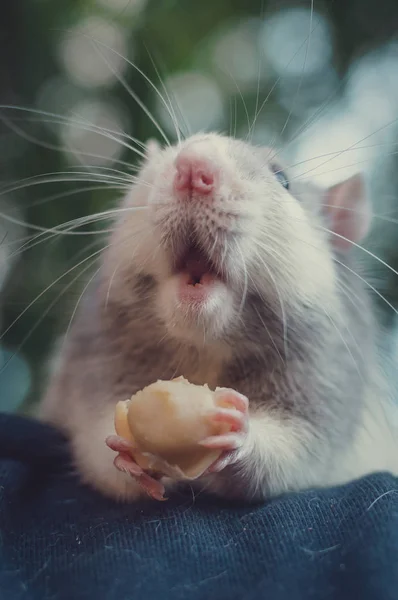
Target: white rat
(223, 271)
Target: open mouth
(196, 267)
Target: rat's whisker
(69, 193)
(337, 153)
(269, 335)
(302, 70)
(111, 170)
(94, 254)
(119, 264)
(303, 176)
(171, 102)
(316, 116)
(350, 294)
(360, 212)
(67, 228)
(275, 84)
(59, 119)
(379, 294)
(84, 126)
(259, 65)
(245, 275)
(242, 99)
(233, 114)
(85, 288)
(63, 178)
(351, 146)
(43, 315)
(128, 88)
(368, 252)
(282, 305)
(339, 333)
(351, 297)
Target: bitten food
(165, 423)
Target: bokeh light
(123, 8)
(92, 135)
(331, 150)
(12, 235)
(197, 101)
(15, 380)
(296, 42)
(93, 52)
(372, 88)
(236, 54)
(58, 95)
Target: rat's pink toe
(233, 417)
(153, 487)
(227, 442)
(118, 444)
(124, 462)
(233, 398)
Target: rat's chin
(196, 310)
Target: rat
(223, 268)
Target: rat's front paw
(124, 462)
(230, 443)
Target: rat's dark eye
(281, 177)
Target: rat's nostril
(194, 174)
(207, 179)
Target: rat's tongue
(196, 267)
(196, 277)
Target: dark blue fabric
(62, 541)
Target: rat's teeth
(194, 280)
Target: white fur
(275, 230)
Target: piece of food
(165, 423)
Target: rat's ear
(152, 147)
(348, 211)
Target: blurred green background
(326, 81)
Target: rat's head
(223, 232)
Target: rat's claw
(118, 444)
(153, 487)
(233, 417)
(232, 408)
(124, 462)
(226, 442)
(227, 396)
(237, 418)
(227, 458)
(230, 444)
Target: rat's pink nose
(194, 175)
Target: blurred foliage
(176, 35)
